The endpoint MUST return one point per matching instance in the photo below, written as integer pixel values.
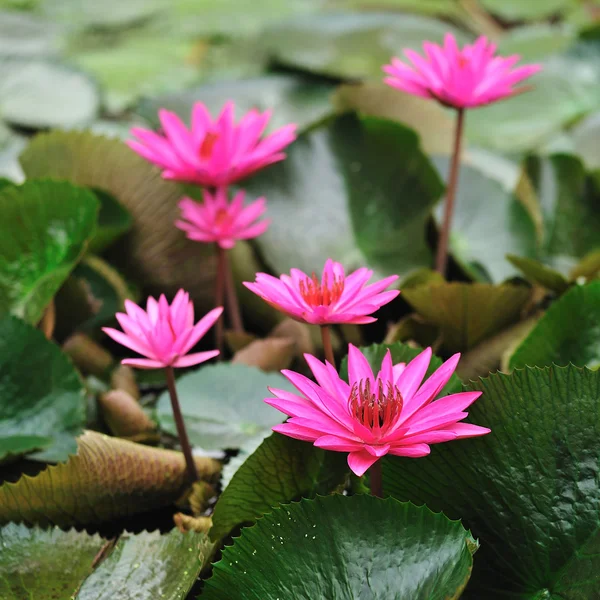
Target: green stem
(220, 296)
(233, 305)
(184, 441)
(442, 251)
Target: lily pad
(25, 34)
(39, 93)
(280, 470)
(585, 139)
(529, 490)
(371, 187)
(113, 222)
(516, 10)
(292, 99)
(90, 488)
(539, 273)
(350, 45)
(467, 313)
(154, 251)
(223, 405)
(535, 42)
(569, 332)
(489, 223)
(45, 228)
(568, 199)
(149, 565)
(346, 547)
(50, 563)
(45, 412)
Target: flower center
(463, 61)
(208, 143)
(221, 217)
(317, 294)
(377, 409)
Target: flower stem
(376, 479)
(219, 296)
(442, 251)
(326, 337)
(233, 306)
(184, 442)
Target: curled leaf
(106, 479)
(123, 414)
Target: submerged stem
(442, 251)
(376, 479)
(233, 305)
(327, 347)
(184, 442)
(219, 296)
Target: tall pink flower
(465, 78)
(220, 221)
(213, 152)
(163, 333)
(392, 412)
(335, 298)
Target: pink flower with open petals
(335, 298)
(163, 334)
(212, 152)
(371, 416)
(464, 78)
(218, 220)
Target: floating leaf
(467, 313)
(568, 198)
(45, 227)
(40, 564)
(149, 565)
(489, 223)
(372, 188)
(516, 10)
(585, 140)
(155, 251)
(223, 405)
(41, 395)
(113, 222)
(346, 547)
(526, 121)
(535, 42)
(39, 93)
(292, 99)
(90, 486)
(530, 490)
(350, 45)
(281, 469)
(569, 332)
(23, 34)
(539, 273)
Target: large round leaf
(530, 490)
(149, 565)
(55, 564)
(292, 99)
(155, 251)
(569, 200)
(41, 395)
(350, 45)
(585, 139)
(357, 190)
(342, 548)
(45, 228)
(39, 93)
(280, 470)
(44, 564)
(526, 121)
(23, 34)
(568, 333)
(91, 487)
(113, 222)
(489, 223)
(223, 405)
(517, 10)
(467, 313)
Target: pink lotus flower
(371, 416)
(334, 299)
(212, 153)
(163, 334)
(217, 220)
(464, 78)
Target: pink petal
(360, 461)
(412, 375)
(297, 432)
(339, 444)
(123, 339)
(143, 363)
(195, 359)
(202, 327)
(416, 451)
(466, 430)
(358, 366)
